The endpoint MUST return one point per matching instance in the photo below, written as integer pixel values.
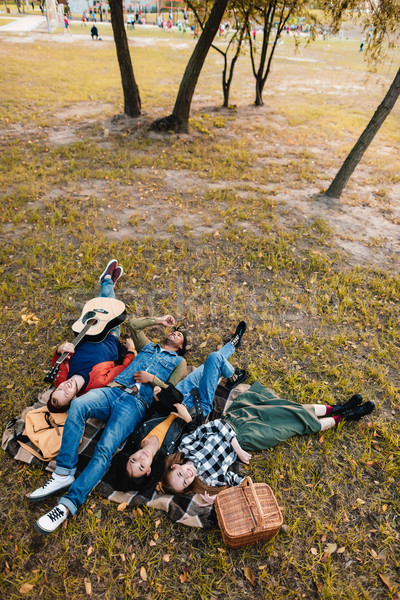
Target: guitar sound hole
(92, 322)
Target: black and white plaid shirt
(209, 447)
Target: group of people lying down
(181, 451)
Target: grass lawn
(222, 224)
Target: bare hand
(167, 321)
(66, 347)
(129, 345)
(244, 456)
(182, 412)
(208, 499)
(156, 391)
(143, 377)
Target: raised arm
(136, 327)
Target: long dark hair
(196, 487)
(120, 479)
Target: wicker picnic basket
(247, 514)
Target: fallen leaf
(360, 501)
(143, 573)
(341, 550)
(216, 234)
(183, 578)
(248, 573)
(261, 567)
(321, 439)
(88, 587)
(90, 551)
(330, 548)
(140, 512)
(323, 538)
(156, 536)
(157, 523)
(373, 553)
(386, 580)
(314, 551)
(122, 506)
(122, 555)
(384, 507)
(166, 557)
(325, 557)
(152, 543)
(26, 588)
(159, 588)
(203, 345)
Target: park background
(224, 223)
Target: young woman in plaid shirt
(257, 420)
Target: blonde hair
(196, 487)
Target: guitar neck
(51, 375)
(74, 342)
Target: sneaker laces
(49, 481)
(55, 514)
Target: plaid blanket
(181, 509)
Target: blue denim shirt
(154, 361)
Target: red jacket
(101, 374)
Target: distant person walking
(362, 44)
(66, 25)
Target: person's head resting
(138, 472)
(62, 396)
(180, 477)
(178, 340)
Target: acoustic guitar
(98, 317)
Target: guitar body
(103, 314)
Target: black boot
(236, 340)
(354, 401)
(355, 414)
(239, 376)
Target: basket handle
(248, 482)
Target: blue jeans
(107, 291)
(205, 378)
(122, 412)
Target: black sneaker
(355, 414)
(239, 376)
(236, 340)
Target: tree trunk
(259, 90)
(346, 170)
(179, 120)
(131, 91)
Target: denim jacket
(154, 361)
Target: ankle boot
(355, 414)
(354, 401)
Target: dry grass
(213, 227)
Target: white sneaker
(55, 484)
(50, 521)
